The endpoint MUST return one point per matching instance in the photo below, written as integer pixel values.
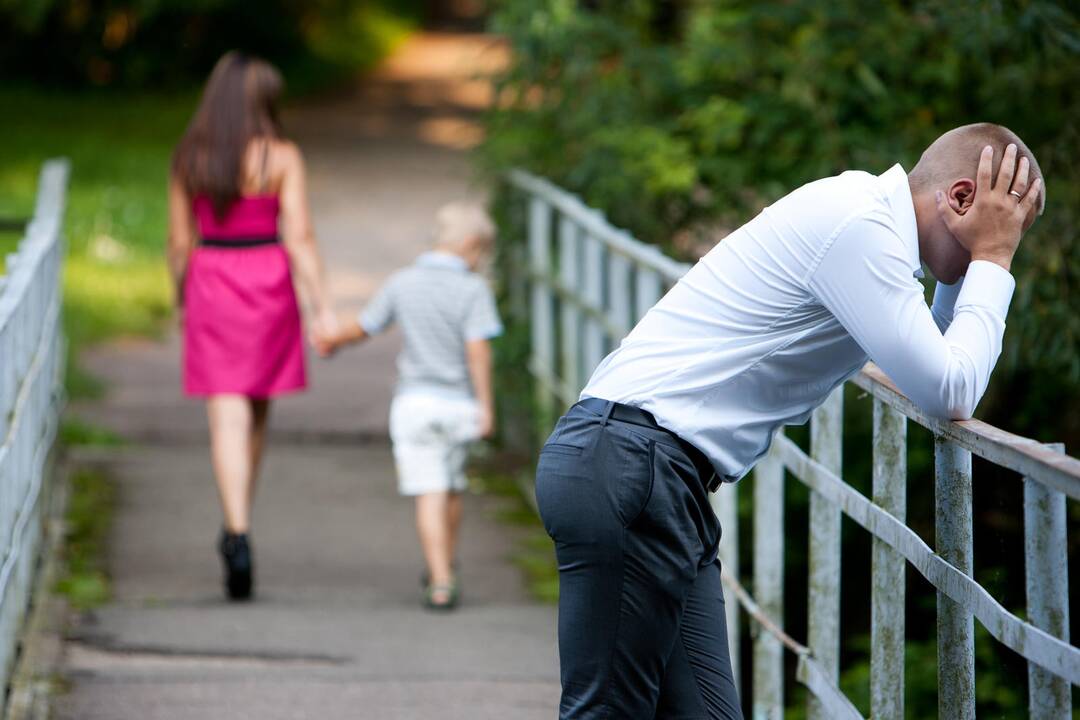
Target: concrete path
(336, 631)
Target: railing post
(1047, 574)
(30, 375)
(7, 371)
(647, 291)
(725, 503)
(570, 313)
(768, 674)
(518, 281)
(955, 625)
(541, 322)
(888, 567)
(593, 291)
(620, 308)
(823, 612)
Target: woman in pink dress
(240, 233)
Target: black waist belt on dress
(239, 242)
(637, 416)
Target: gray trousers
(642, 632)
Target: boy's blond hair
(459, 223)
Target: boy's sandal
(441, 597)
(425, 576)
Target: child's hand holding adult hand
(325, 345)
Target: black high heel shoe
(239, 569)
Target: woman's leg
(260, 414)
(231, 423)
(433, 527)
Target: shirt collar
(443, 260)
(894, 181)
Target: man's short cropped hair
(955, 155)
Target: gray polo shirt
(440, 305)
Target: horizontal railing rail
(590, 282)
(31, 394)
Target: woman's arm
(181, 235)
(299, 239)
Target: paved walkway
(336, 631)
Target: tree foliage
(140, 43)
(681, 119)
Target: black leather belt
(239, 242)
(637, 416)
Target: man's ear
(961, 195)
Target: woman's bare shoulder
(269, 161)
(286, 154)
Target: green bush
(681, 120)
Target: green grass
(89, 516)
(533, 552)
(74, 432)
(115, 281)
(9, 241)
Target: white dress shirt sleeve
(865, 280)
(945, 303)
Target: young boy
(443, 399)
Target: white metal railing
(31, 377)
(589, 283)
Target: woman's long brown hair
(238, 105)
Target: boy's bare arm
(348, 333)
(478, 357)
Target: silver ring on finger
(1018, 196)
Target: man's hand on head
(991, 227)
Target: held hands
(991, 227)
(324, 345)
(324, 334)
(327, 335)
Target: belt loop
(607, 413)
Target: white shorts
(430, 435)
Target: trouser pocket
(678, 518)
(592, 479)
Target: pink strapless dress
(242, 331)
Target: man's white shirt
(793, 303)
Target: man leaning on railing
(755, 336)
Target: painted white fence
(31, 394)
(589, 283)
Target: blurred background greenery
(681, 119)
(154, 43)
